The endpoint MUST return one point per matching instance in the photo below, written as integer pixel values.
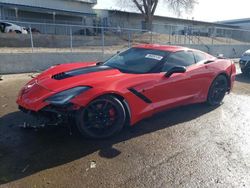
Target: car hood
(245, 58)
(66, 76)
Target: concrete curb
(34, 62)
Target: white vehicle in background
(245, 63)
(7, 27)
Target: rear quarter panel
(222, 66)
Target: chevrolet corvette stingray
(102, 97)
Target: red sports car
(130, 86)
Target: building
(243, 33)
(168, 25)
(242, 23)
(49, 11)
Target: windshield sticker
(152, 56)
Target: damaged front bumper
(49, 116)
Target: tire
(217, 90)
(101, 118)
(18, 32)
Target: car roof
(168, 48)
(8, 23)
(5, 22)
(248, 51)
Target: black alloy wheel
(217, 90)
(18, 32)
(102, 118)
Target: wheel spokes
(219, 90)
(99, 116)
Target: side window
(7, 24)
(182, 58)
(199, 56)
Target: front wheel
(217, 90)
(102, 118)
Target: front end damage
(48, 107)
(50, 115)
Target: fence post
(151, 36)
(129, 38)
(45, 29)
(103, 43)
(31, 39)
(213, 34)
(170, 34)
(199, 38)
(71, 39)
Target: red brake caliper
(112, 114)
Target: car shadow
(242, 78)
(25, 152)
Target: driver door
(179, 88)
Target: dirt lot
(192, 146)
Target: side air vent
(61, 76)
(140, 95)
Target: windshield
(136, 60)
(246, 53)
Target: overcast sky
(206, 10)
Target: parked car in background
(245, 63)
(86, 32)
(34, 30)
(7, 27)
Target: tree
(148, 7)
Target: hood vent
(80, 71)
(61, 76)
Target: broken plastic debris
(27, 125)
(26, 167)
(92, 164)
(4, 105)
(24, 125)
(34, 75)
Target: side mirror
(177, 69)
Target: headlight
(65, 96)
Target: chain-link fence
(202, 35)
(49, 37)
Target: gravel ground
(191, 146)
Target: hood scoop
(61, 76)
(80, 71)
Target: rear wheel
(217, 90)
(18, 32)
(102, 118)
